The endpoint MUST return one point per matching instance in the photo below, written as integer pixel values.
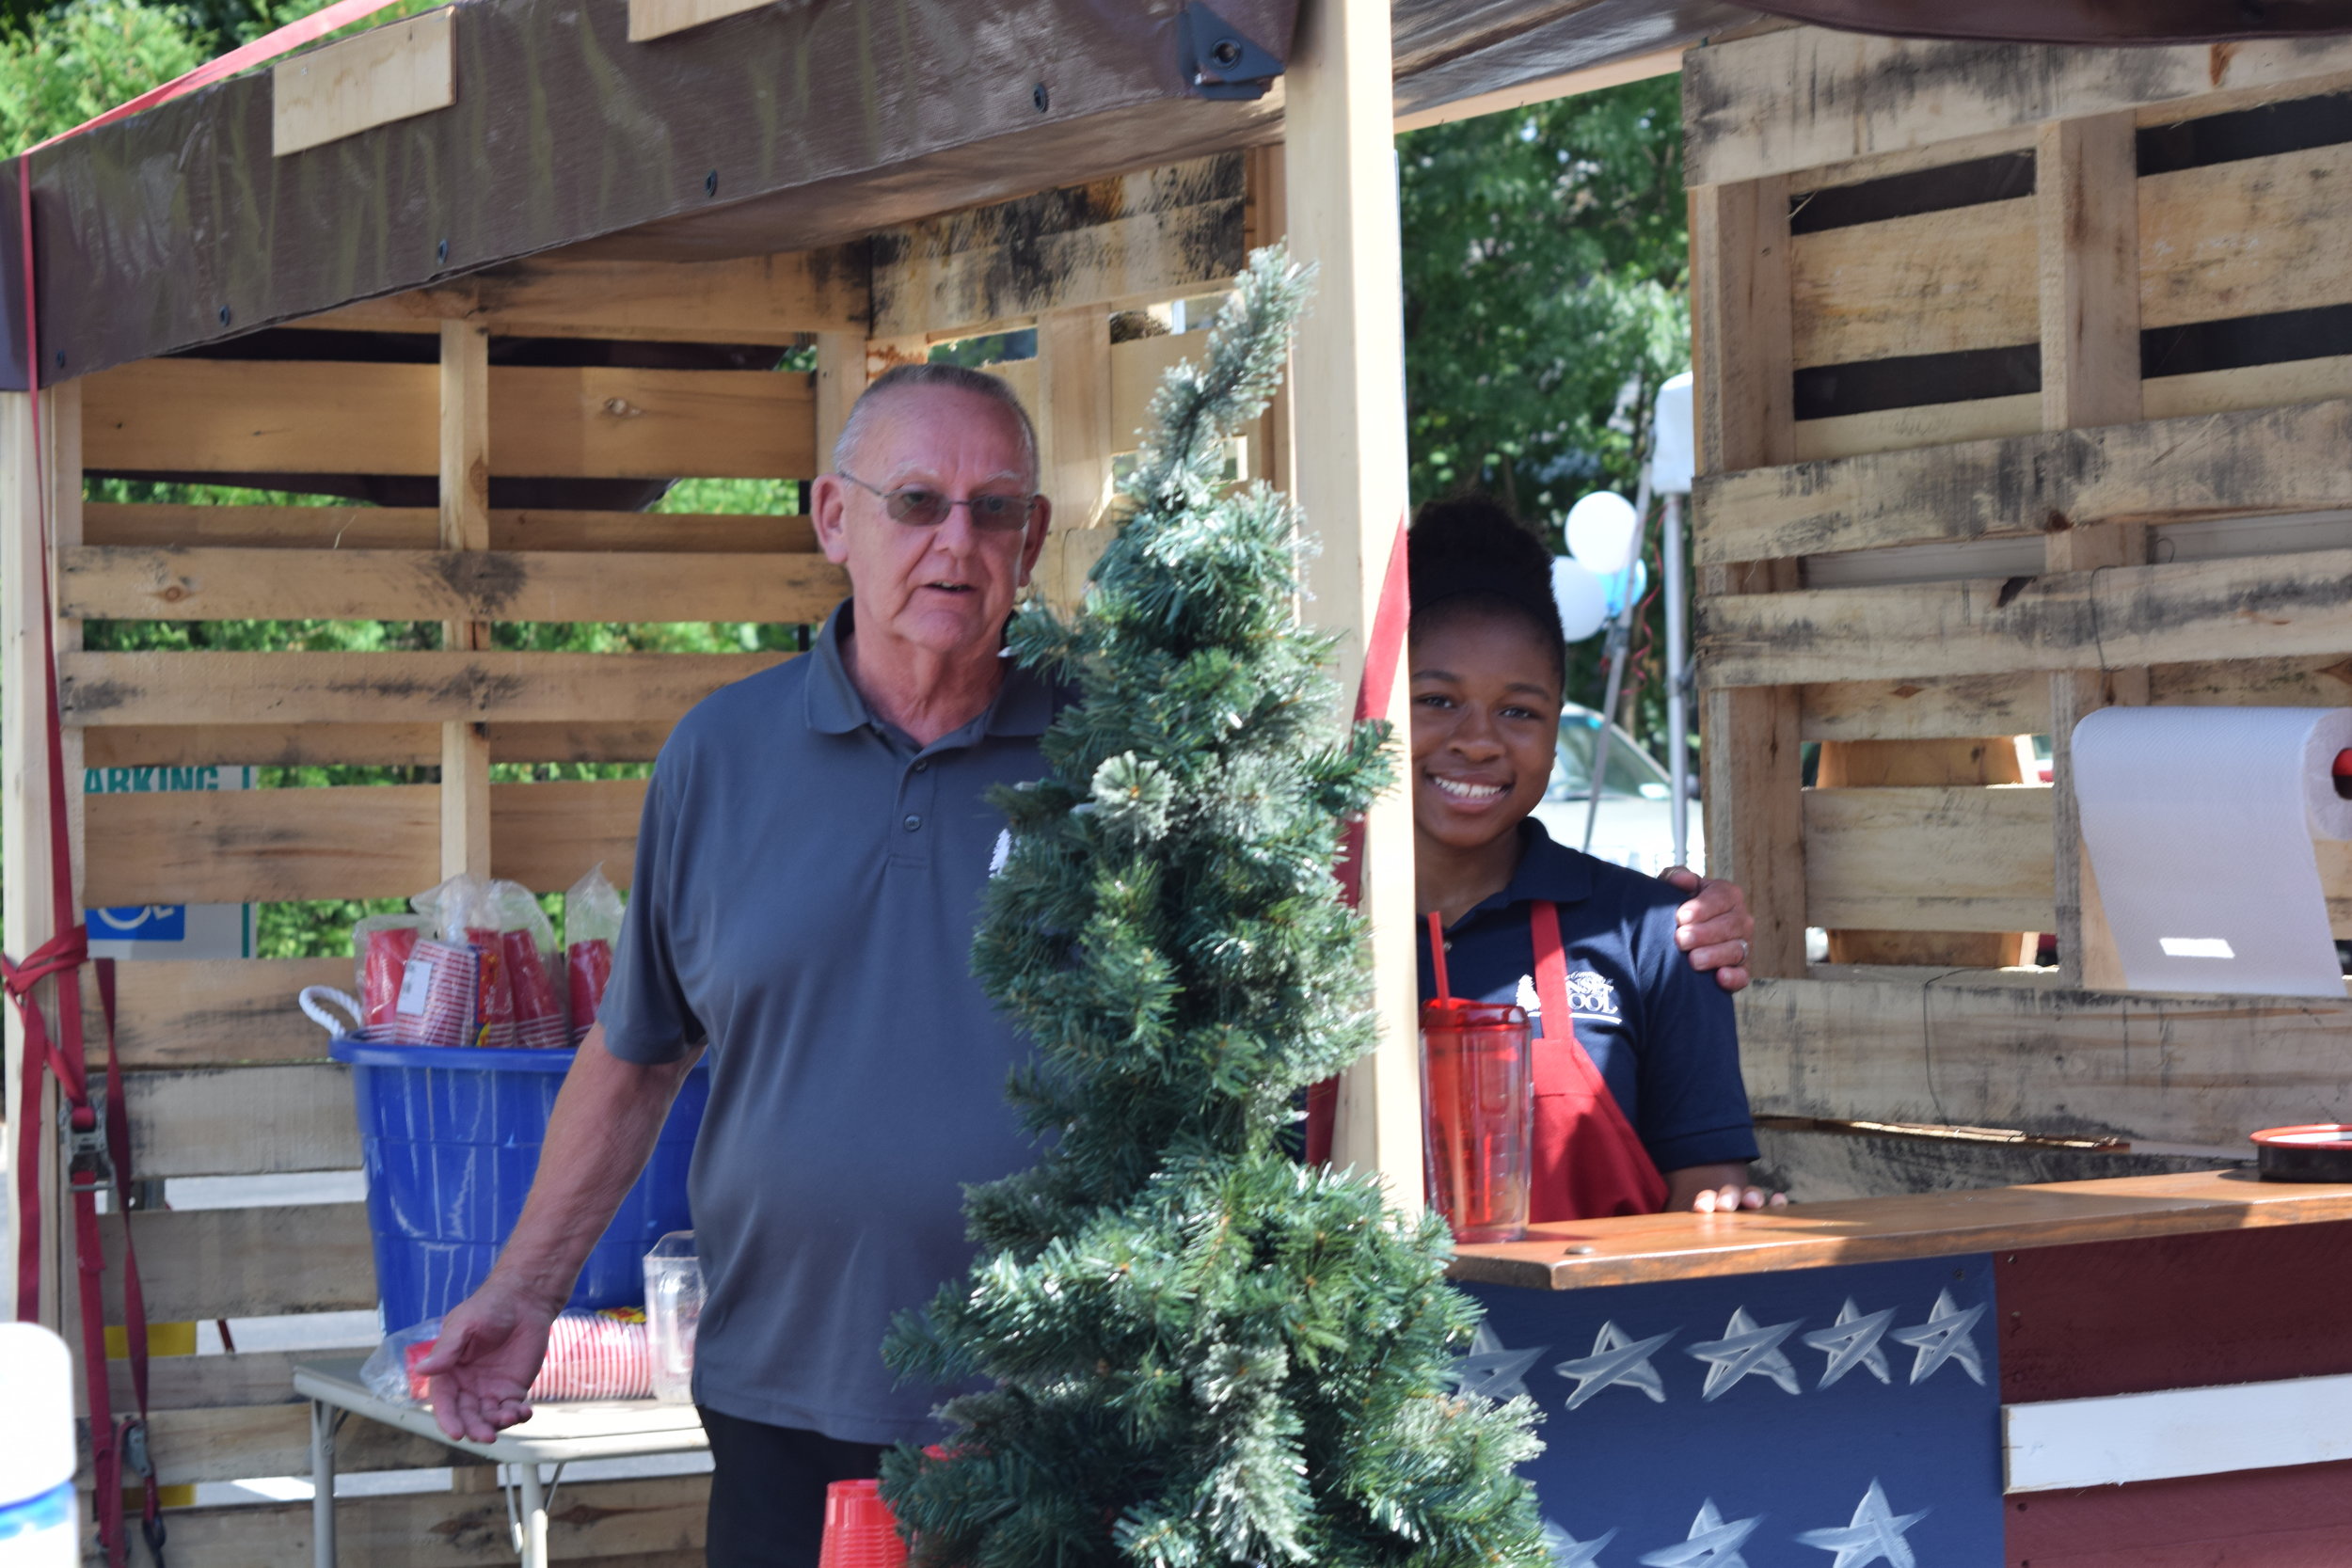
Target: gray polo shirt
(807, 883)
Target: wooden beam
(1130, 240)
(465, 519)
(156, 526)
(388, 72)
(219, 1012)
(1741, 351)
(1349, 405)
(1272, 451)
(199, 1263)
(242, 1120)
(254, 416)
(2087, 195)
(1877, 764)
(32, 479)
(654, 19)
(1798, 99)
(1938, 282)
(396, 688)
(841, 380)
(133, 746)
(375, 841)
(1076, 439)
(1929, 708)
(750, 299)
(1957, 1049)
(2260, 460)
(1593, 78)
(1947, 858)
(233, 584)
(2119, 617)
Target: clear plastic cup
(674, 1308)
(1478, 1096)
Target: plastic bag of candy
(592, 924)
(591, 1356)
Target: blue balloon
(1623, 588)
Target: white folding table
(555, 1435)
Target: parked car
(1635, 827)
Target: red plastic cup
(1477, 1083)
(860, 1529)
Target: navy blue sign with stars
(1817, 1419)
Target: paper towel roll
(2199, 823)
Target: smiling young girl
(1638, 1102)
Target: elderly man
(808, 874)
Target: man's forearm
(599, 1138)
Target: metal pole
(1620, 638)
(1677, 675)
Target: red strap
(1384, 654)
(1590, 1162)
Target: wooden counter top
(1642, 1249)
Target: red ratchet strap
(1384, 654)
(94, 1144)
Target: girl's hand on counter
(1713, 1200)
(1717, 1188)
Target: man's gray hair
(905, 379)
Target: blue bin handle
(312, 998)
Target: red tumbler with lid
(1478, 1110)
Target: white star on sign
(1490, 1372)
(1569, 1552)
(1943, 1338)
(1875, 1535)
(1852, 1341)
(1745, 1351)
(1712, 1543)
(1616, 1359)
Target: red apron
(1589, 1165)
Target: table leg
(321, 1484)
(534, 1516)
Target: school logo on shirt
(1589, 997)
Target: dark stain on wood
(486, 580)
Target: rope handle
(314, 997)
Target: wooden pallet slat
(1938, 282)
(392, 687)
(547, 836)
(134, 746)
(161, 525)
(216, 1012)
(2246, 238)
(2113, 617)
(220, 584)
(199, 1263)
(1929, 858)
(202, 1122)
(2269, 459)
(256, 416)
(627, 1524)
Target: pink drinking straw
(1437, 956)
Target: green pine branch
(1202, 1354)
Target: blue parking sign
(140, 922)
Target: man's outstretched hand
(1715, 927)
(479, 1371)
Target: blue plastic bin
(451, 1140)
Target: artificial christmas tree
(1205, 1354)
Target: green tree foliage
(1206, 1354)
(84, 58)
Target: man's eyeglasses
(919, 506)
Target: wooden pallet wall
(224, 1076)
(2023, 380)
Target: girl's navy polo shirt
(1660, 1033)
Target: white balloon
(1603, 531)
(1583, 598)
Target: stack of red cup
(860, 1529)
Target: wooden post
(841, 375)
(465, 526)
(30, 911)
(1342, 215)
(1074, 443)
(2087, 210)
(1742, 350)
(1265, 222)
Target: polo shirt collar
(1024, 704)
(1547, 870)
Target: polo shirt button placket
(913, 823)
